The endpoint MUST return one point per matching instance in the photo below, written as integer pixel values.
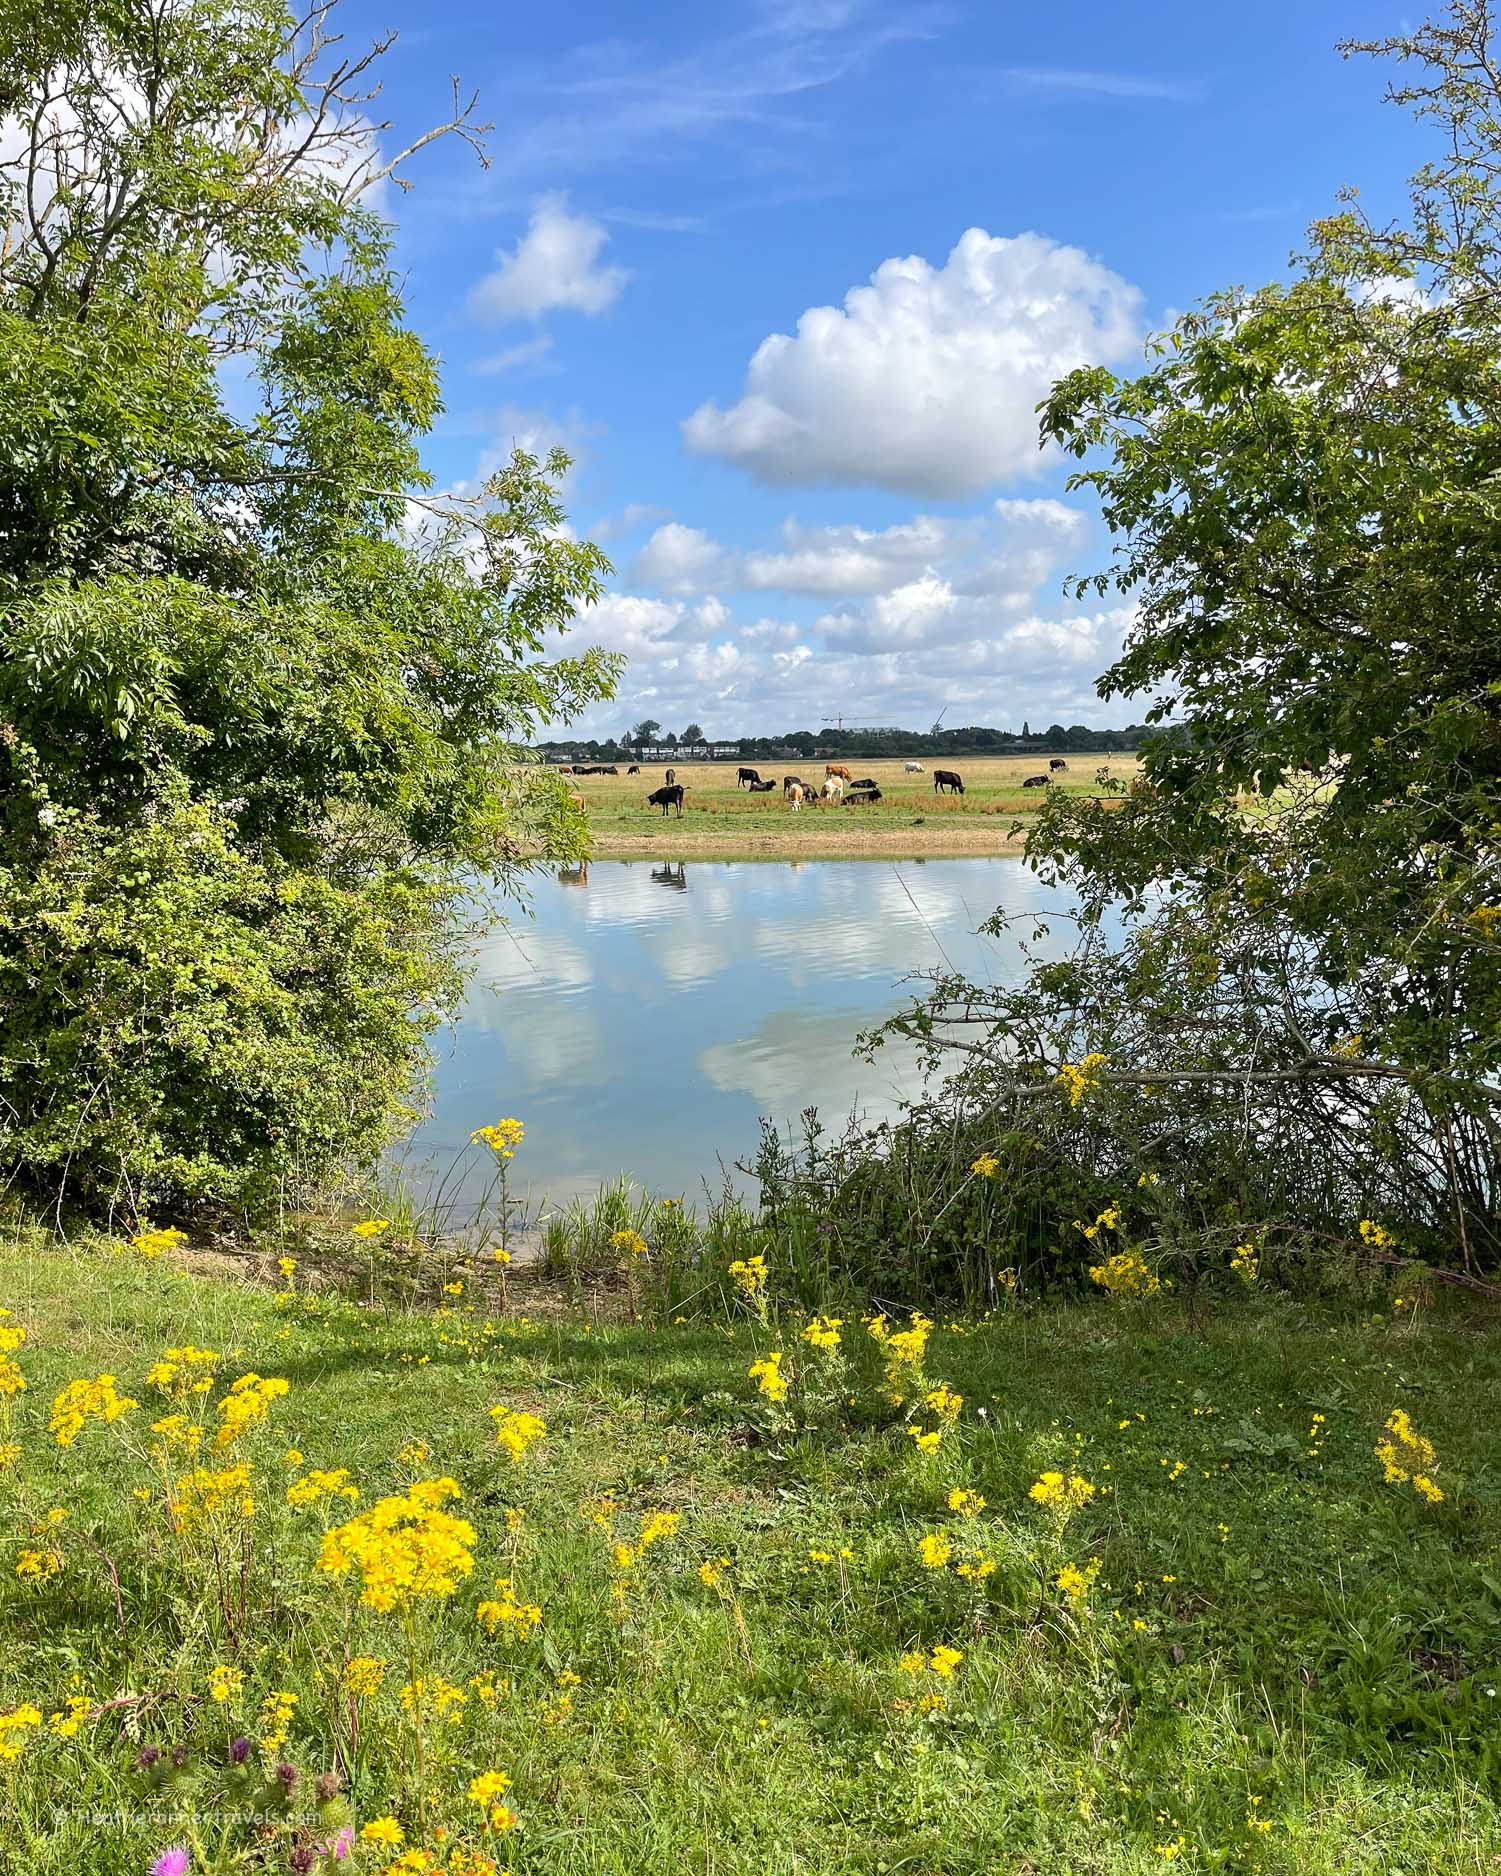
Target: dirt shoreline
(814, 843)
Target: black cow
(762, 788)
(664, 798)
(747, 775)
(789, 782)
(634, 769)
(862, 794)
(611, 770)
(866, 781)
(1035, 781)
(1057, 763)
(947, 781)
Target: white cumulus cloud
(556, 263)
(926, 380)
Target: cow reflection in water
(671, 875)
(576, 875)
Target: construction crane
(939, 724)
(857, 723)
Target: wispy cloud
(620, 101)
(531, 352)
(1106, 84)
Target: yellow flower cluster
(202, 1492)
(969, 1504)
(38, 1566)
(14, 1725)
(502, 1138)
(370, 1227)
(405, 1547)
(1108, 1220)
(363, 1675)
(1077, 1583)
(630, 1243)
(903, 1346)
(225, 1683)
(941, 1660)
(245, 1405)
(183, 1371)
(178, 1433)
(314, 1486)
(277, 1711)
(1377, 1236)
(768, 1376)
(153, 1243)
(935, 1550)
(504, 1611)
(12, 1335)
(654, 1527)
(435, 1698)
(1078, 1078)
(1245, 1261)
(1125, 1274)
(823, 1332)
(749, 1276)
(1062, 1496)
(81, 1401)
(1408, 1458)
(515, 1432)
(986, 1166)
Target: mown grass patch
(1242, 1649)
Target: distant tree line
(649, 739)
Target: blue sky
(937, 207)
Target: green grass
(1269, 1625)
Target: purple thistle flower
(239, 1750)
(173, 1862)
(339, 1847)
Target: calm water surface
(644, 1016)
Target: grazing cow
(1036, 781)
(833, 789)
(838, 768)
(913, 768)
(747, 775)
(795, 796)
(672, 776)
(762, 788)
(634, 769)
(1057, 763)
(664, 798)
(565, 768)
(947, 781)
(789, 782)
(611, 770)
(862, 794)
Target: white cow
(833, 789)
(914, 768)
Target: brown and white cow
(833, 788)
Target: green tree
(266, 695)
(646, 731)
(1303, 1014)
(694, 735)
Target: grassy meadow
(725, 821)
(531, 1580)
